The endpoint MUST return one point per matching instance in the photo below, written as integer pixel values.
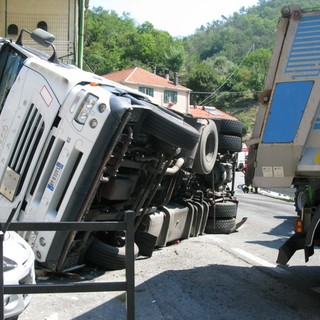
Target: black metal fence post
(130, 296)
(127, 225)
(1, 277)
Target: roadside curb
(274, 194)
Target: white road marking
(259, 261)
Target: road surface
(221, 277)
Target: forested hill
(233, 36)
(223, 62)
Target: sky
(178, 17)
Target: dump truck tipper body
(285, 144)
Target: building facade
(164, 92)
(59, 17)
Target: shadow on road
(280, 231)
(212, 292)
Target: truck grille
(23, 152)
(48, 174)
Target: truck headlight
(85, 108)
(8, 264)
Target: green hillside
(224, 62)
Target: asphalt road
(220, 277)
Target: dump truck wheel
(170, 128)
(207, 150)
(106, 256)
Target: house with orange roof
(209, 112)
(165, 92)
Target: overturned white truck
(285, 145)
(76, 147)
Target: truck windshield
(10, 65)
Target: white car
(18, 268)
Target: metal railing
(126, 225)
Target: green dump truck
(285, 144)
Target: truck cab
(76, 147)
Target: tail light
(298, 225)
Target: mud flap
(287, 250)
(146, 243)
(308, 251)
(300, 241)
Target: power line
(231, 75)
(228, 92)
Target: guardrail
(127, 225)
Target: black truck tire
(229, 143)
(231, 127)
(223, 210)
(170, 128)
(207, 150)
(220, 226)
(106, 256)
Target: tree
(206, 78)
(106, 39)
(175, 57)
(113, 43)
(251, 74)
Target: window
(148, 91)
(10, 64)
(42, 25)
(170, 96)
(13, 29)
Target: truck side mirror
(43, 38)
